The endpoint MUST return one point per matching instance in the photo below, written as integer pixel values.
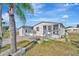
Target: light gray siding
(48, 29)
(57, 32)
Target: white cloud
(65, 16)
(70, 4)
(5, 17)
(45, 19)
(76, 3)
(64, 7)
(37, 8)
(67, 4)
(61, 9)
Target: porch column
(59, 30)
(52, 30)
(46, 31)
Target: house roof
(40, 23)
(25, 27)
(48, 22)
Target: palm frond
(20, 14)
(28, 7)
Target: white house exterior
(25, 30)
(73, 30)
(46, 29)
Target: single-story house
(46, 29)
(72, 29)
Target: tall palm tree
(0, 25)
(18, 8)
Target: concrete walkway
(8, 40)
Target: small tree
(66, 38)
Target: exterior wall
(25, 31)
(21, 32)
(40, 32)
(61, 30)
(28, 31)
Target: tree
(77, 25)
(0, 25)
(18, 8)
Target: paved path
(8, 40)
(19, 38)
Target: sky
(66, 13)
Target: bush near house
(6, 34)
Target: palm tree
(18, 8)
(0, 25)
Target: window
(55, 29)
(37, 28)
(49, 28)
(26, 30)
(44, 27)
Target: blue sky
(66, 13)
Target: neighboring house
(72, 29)
(25, 30)
(46, 29)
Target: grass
(74, 36)
(4, 48)
(56, 48)
(52, 48)
(19, 44)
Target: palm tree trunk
(12, 28)
(0, 25)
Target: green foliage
(5, 28)
(6, 34)
(20, 13)
(20, 8)
(28, 7)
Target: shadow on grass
(30, 45)
(75, 43)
